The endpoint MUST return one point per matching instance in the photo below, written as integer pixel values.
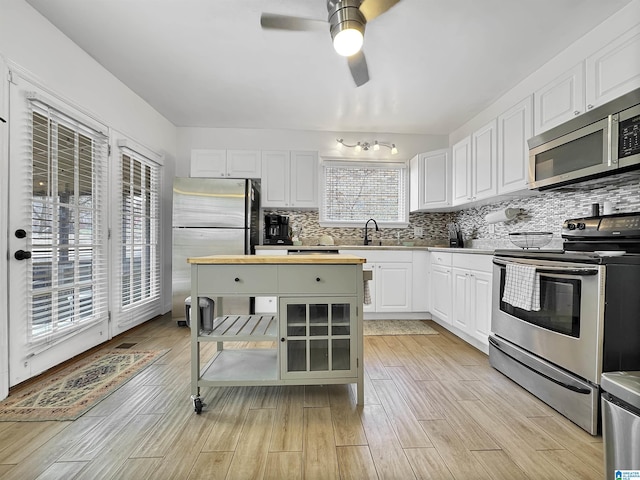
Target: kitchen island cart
(314, 339)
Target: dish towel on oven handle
(522, 287)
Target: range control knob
(581, 226)
(571, 226)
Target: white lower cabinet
(441, 287)
(393, 287)
(399, 285)
(472, 286)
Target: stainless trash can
(621, 424)
(206, 312)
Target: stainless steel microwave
(603, 141)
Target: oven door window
(559, 304)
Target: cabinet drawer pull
(282, 339)
(236, 279)
(317, 279)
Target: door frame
(4, 228)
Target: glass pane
(296, 319)
(296, 356)
(318, 319)
(66, 153)
(360, 192)
(340, 354)
(319, 355)
(340, 319)
(41, 319)
(66, 264)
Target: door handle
(22, 255)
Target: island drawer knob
(317, 279)
(236, 279)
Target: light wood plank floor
(434, 409)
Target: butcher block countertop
(337, 259)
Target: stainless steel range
(585, 319)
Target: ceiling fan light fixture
(347, 26)
(376, 145)
(348, 42)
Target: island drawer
(317, 279)
(237, 279)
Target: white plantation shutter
(136, 233)
(68, 275)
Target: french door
(58, 242)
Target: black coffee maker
(276, 230)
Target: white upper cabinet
(208, 163)
(244, 163)
(304, 179)
(559, 100)
(430, 180)
(214, 163)
(289, 179)
(484, 159)
(461, 166)
(605, 75)
(475, 161)
(515, 127)
(614, 69)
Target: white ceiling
(433, 64)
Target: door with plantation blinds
(58, 235)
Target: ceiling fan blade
(285, 22)
(373, 8)
(358, 67)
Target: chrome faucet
(366, 226)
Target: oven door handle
(573, 388)
(547, 269)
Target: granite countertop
(481, 251)
(340, 259)
(335, 248)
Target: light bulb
(394, 150)
(348, 42)
(358, 147)
(339, 142)
(376, 146)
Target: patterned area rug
(70, 392)
(397, 327)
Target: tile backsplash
(543, 212)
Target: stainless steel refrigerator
(211, 216)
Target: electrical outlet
(417, 231)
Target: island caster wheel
(197, 404)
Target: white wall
(322, 142)
(600, 36)
(34, 46)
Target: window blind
(354, 192)
(68, 275)
(138, 279)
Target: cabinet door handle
(236, 279)
(282, 339)
(317, 279)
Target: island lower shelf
(241, 367)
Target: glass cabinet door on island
(320, 337)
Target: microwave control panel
(629, 137)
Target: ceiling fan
(347, 20)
